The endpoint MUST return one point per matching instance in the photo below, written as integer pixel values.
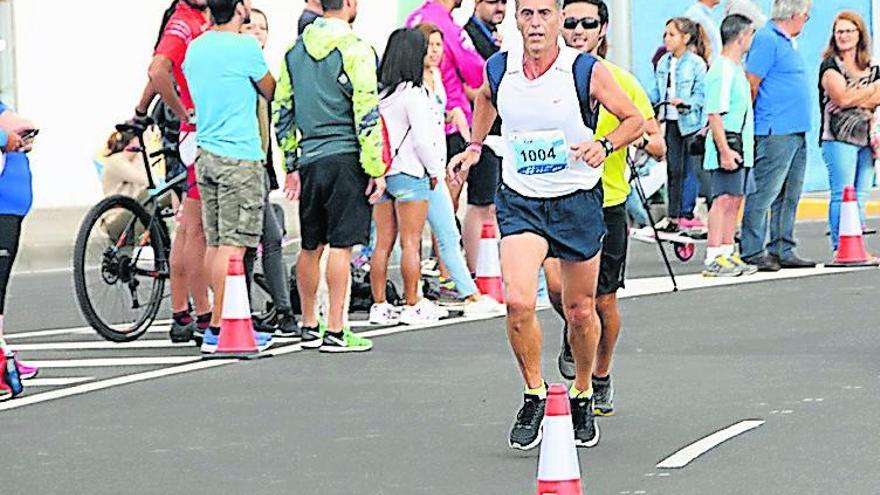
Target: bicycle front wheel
(119, 268)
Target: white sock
(727, 250)
(2, 340)
(712, 253)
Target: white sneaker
(483, 306)
(384, 314)
(423, 312)
(439, 311)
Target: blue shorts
(573, 225)
(740, 182)
(403, 187)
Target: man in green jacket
(326, 114)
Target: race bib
(541, 152)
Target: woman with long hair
(680, 83)
(282, 322)
(849, 93)
(416, 167)
(455, 277)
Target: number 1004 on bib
(539, 153)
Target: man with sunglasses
(585, 28)
(550, 201)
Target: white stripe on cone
(559, 460)
(488, 264)
(850, 224)
(235, 299)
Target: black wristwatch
(607, 146)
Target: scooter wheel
(684, 251)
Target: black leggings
(10, 233)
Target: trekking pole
(644, 199)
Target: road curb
(816, 209)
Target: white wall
(81, 66)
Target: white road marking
(113, 362)
(56, 382)
(101, 344)
(113, 382)
(658, 285)
(184, 364)
(636, 287)
(411, 328)
(684, 456)
(47, 333)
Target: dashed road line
(684, 456)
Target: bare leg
(386, 234)
(521, 259)
(579, 280)
(338, 282)
(308, 272)
(411, 217)
(553, 275)
(193, 253)
(729, 235)
(609, 316)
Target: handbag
(388, 155)
(735, 139)
(696, 143)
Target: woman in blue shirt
(680, 79)
(16, 197)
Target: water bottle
(11, 376)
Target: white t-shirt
(412, 127)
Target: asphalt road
(428, 411)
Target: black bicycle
(121, 258)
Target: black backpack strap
(583, 73)
(496, 67)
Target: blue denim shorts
(573, 225)
(740, 182)
(403, 187)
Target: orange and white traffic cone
(851, 250)
(559, 472)
(489, 264)
(236, 330)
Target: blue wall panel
(648, 23)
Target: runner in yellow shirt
(585, 28)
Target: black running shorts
(333, 207)
(612, 268)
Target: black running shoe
(182, 333)
(566, 359)
(526, 432)
(312, 338)
(586, 431)
(603, 396)
(287, 328)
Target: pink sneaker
(691, 224)
(24, 371)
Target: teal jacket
(327, 100)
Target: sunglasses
(495, 2)
(586, 23)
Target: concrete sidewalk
(49, 234)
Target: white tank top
(536, 116)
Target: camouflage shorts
(232, 199)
